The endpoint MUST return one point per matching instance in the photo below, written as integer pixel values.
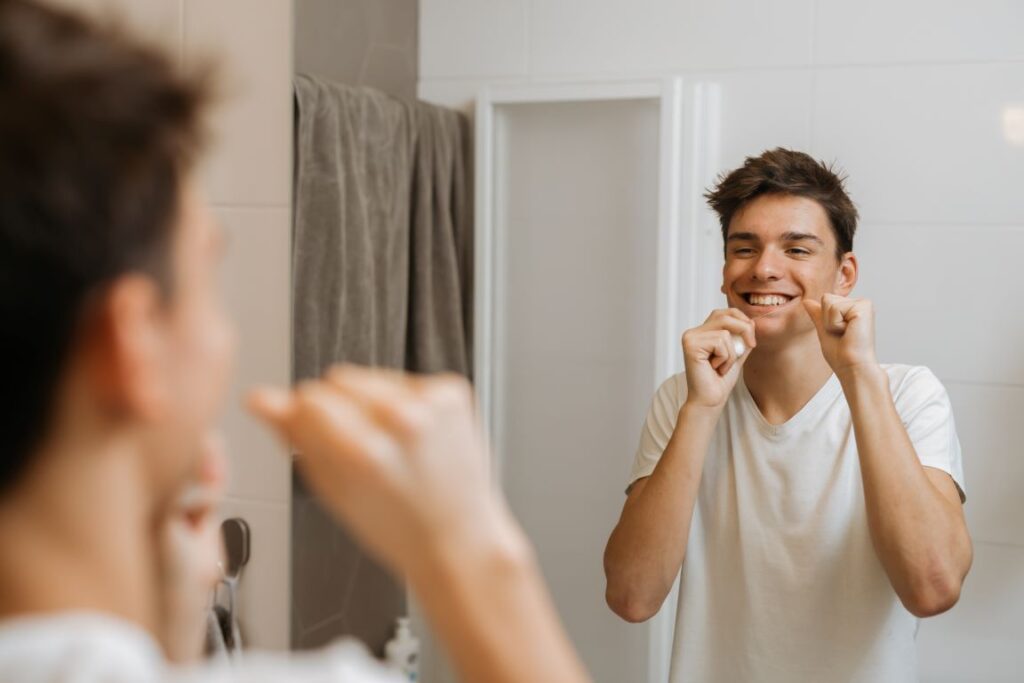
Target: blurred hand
(191, 556)
(846, 330)
(712, 366)
(400, 459)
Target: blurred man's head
(112, 330)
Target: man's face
(199, 344)
(779, 249)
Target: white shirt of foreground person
(83, 647)
(780, 581)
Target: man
(811, 496)
(117, 353)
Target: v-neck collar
(822, 398)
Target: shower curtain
(382, 275)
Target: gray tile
(390, 69)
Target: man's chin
(781, 334)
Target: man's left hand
(846, 330)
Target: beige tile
(263, 606)
(257, 295)
(251, 159)
(158, 20)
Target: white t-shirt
(780, 581)
(86, 647)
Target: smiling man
(811, 497)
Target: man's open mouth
(755, 299)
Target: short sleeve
(658, 426)
(927, 414)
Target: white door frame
(688, 150)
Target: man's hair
(97, 131)
(786, 172)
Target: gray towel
(382, 275)
(382, 250)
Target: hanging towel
(382, 275)
(382, 248)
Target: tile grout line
(659, 72)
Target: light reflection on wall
(1013, 124)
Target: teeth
(767, 299)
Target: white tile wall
(924, 144)
(883, 32)
(979, 641)
(473, 38)
(915, 98)
(744, 33)
(584, 37)
(779, 102)
(991, 433)
(943, 298)
(581, 37)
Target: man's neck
(77, 534)
(781, 381)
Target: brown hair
(787, 172)
(96, 133)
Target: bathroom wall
(359, 42)
(923, 103)
(336, 589)
(247, 179)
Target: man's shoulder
(673, 389)
(914, 388)
(903, 377)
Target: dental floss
(738, 345)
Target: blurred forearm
(486, 598)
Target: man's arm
(400, 461)
(648, 545)
(914, 513)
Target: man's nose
(767, 268)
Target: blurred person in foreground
(118, 355)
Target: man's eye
(742, 251)
(800, 252)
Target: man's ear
(129, 359)
(846, 276)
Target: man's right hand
(712, 366)
(399, 458)
(402, 461)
